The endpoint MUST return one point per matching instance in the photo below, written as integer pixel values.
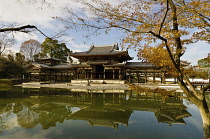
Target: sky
(41, 16)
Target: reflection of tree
(5, 113)
(204, 111)
(99, 109)
(51, 113)
(28, 118)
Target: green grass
(5, 84)
(6, 81)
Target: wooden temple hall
(108, 62)
(105, 62)
(49, 69)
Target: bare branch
(22, 29)
(164, 18)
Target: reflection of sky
(147, 126)
(75, 109)
(196, 119)
(8, 121)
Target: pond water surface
(70, 114)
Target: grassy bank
(5, 83)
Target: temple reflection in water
(99, 108)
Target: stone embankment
(98, 86)
(162, 86)
(76, 86)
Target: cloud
(21, 37)
(78, 46)
(12, 11)
(196, 51)
(72, 45)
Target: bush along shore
(10, 82)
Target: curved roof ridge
(91, 47)
(115, 47)
(104, 45)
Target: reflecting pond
(39, 113)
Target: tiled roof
(60, 66)
(97, 62)
(48, 58)
(97, 53)
(138, 64)
(80, 65)
(184, 63)
(101, 50)
(40, 65)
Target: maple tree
(165, 25)
(205, 62)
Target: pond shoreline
(98, 86)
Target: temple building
(100, 63)
(49, 69)
(108, 62)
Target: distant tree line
(14, 65)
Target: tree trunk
(206, 121)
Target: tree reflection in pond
(55, 107)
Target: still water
(71, 114)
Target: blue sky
(24, 14)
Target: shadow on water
(125, 111)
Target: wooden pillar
(137, 74)
(104, 73)
(67, 76)
(30, 76)
(83, 73)
(120, 76)
(113, 73)
(50, 76)
(77, 73)
(164, 78)
(153, 77)
(163, 81)
(39, 76)
(145, 76)
(175, 80)
(54, 76)
(61, 77)
(91, 72)
(44, 76)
